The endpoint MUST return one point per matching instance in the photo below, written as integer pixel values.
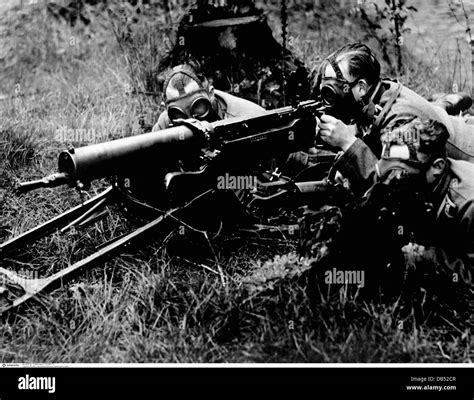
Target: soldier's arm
(357, 164)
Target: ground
(64, 85)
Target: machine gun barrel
(123, 155)
(284, 129)
(115, 157)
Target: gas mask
(336, 94)
(192, 105)
(400, 166)
(188, 96)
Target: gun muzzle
(57, 179)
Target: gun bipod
(15, 289)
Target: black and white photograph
(223, 182)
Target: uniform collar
(376, 93)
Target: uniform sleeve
(458, 257)
(357, 164)
(461, 142)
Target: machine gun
(235, 146)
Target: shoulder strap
(383, 113)
(221, 101)
(335, 67)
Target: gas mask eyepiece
(195, 105)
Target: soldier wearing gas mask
(415, 154)
(190, 95)
(362, 104)
(187, 94)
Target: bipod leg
(32, 287)
(29, 288)
(90, 213)
(76, 214)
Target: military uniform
(396, 104)
(454, 201)
(228, 106)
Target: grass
(160, 305)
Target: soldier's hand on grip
(336, 133)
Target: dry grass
(154, 306)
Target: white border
(236, 365)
